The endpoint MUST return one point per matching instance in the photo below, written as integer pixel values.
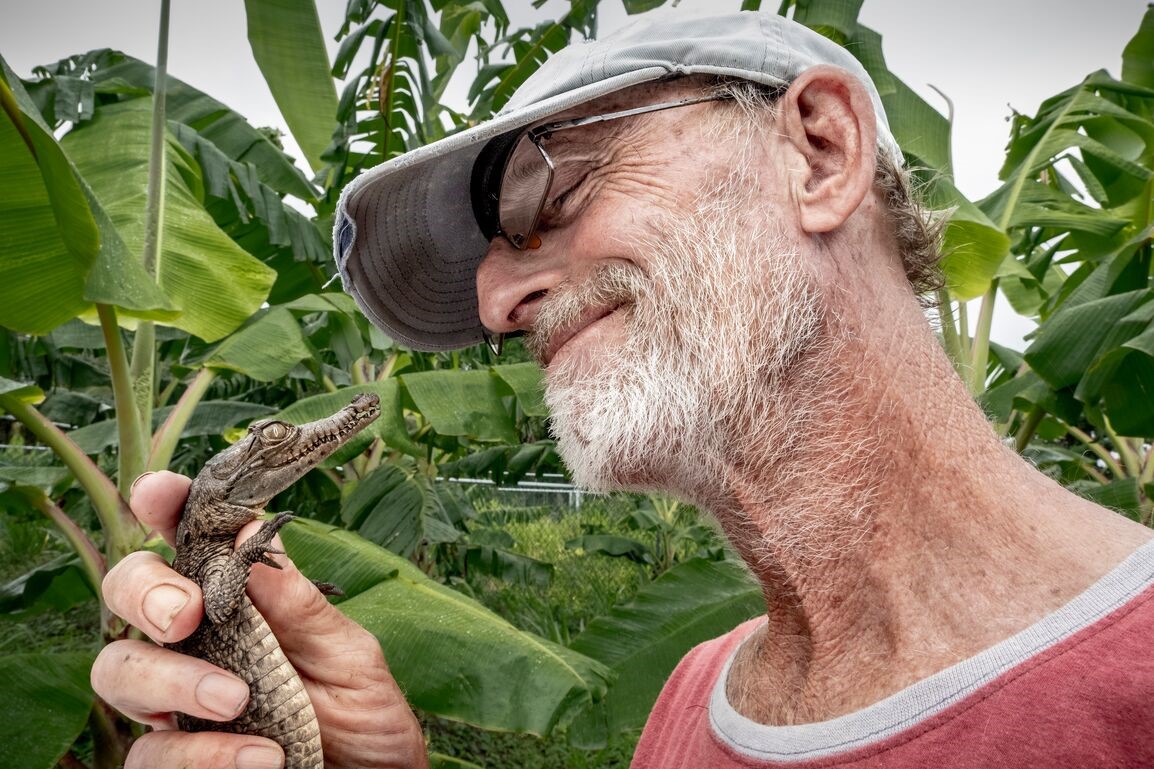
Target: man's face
(664, 303)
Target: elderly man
(703, 231)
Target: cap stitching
(778, 31)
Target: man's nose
(511, 285)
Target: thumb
(307, 626)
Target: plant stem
(950, 338)
(1111, 463)
(1129, 458)
(110, 507)
(110, 734)
(1147, 468)
(376, 452)
(1094, 473)
(143, 370)
(980, 347)
(386, 369)
(964, 337)
(1028, 428)
(168, 434)
(166, 393)
(154, 205)
(90, 559)
(132, 442)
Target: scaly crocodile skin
(279, 708)
(231, 491)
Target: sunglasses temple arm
(495, 342)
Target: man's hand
(364, 719)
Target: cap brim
(407, 241)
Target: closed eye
(558, 202)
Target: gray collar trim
(931, 696)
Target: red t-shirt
(1074, 690)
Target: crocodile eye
(274, 431)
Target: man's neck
(897, 536)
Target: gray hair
(916, 228)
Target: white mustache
(611, 284)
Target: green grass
(25, 545)
(584, 586)
(77, 629)
(499, 750)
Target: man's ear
(828, 117)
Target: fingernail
(162, 604)
(223, 695)
(259, 757)
(139, 478)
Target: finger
(148, 682)
(144, 591)
(204, 750)
(158, 500)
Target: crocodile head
(275, 454)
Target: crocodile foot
(258, 547)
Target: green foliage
(1076, 204)
(400, 510)
(45, 707)
(411, 50)
(487, 672)
(673, 529)
(214, 283)
(493, 615)
(581, 586)
(287, 44)
(610, 610)
(643, 640)
(63, 252)
(523, 751)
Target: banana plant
(182, 301)
(211, 312)
(1077, 203)
(668, 532)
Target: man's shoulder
(678, 724)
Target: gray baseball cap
(406, 238)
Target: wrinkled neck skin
(891, 531)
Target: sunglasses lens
(524, 186)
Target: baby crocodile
(229, 492)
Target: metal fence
(547, 491)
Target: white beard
(713, 325)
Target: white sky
(986, 55)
